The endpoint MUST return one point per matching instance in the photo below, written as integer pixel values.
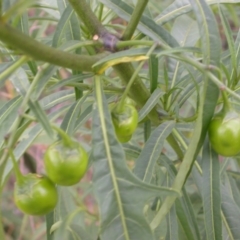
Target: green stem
(18, 174)
(138, 90)
(67, 141)
(132, 79)
(88, 17)
(42, 52)
(226, 104)
(13, 67)
(101, 6)
(124, 44)
(93, 25)
(135, 18)
(2, 233)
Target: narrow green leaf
(113, 182)
(73, 79)
(20, 81)
(129, 55)
(211, 48)
(131, 150)
(4, 71)
(70, 119)
(55, 98)
(211, 193)
(230, 212)
(150, 104)
(234, 190)
(85, 115)
(68, 213)
(231, 215)
(137, 54)
(237, 47)
(147, 130)
(49, 222)
(210, 38)
(23, 23)
(184, 209)
(44, 75)
(62, 25)
(72, 30)
(151, 151)
(185, 31)
(8, 115)
(41, 117)
(172, 223)
(230, 41)
(153, 72)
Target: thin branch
(135, 18)
(93, 24)
(88, 17)
(42, 52)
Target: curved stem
(0, 8)
(42, 52)
(101, 6)
(88, 17)
(67, 141)
(135, 18)
(124, 44)
(226, 104)
(18, 174)
(13, 67)
(131, 81)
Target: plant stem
(135, 18)
(138, 90)
(2, 233)
(18, 174)
(123, 44)
(88, 17)
(93, 25)
(13, 67)
(101, 6)
(39, 51)
(226, 104)
(67, 141)
(132, 79)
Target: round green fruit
(224, 134)
(65, 165)
(125, 122)
(35, 194)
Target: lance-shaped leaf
(150, 104)
(230, 215)
(121, 196)
(211, 193)
(8, 115)
(184, 209)
(151, 151)
(70, 119)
